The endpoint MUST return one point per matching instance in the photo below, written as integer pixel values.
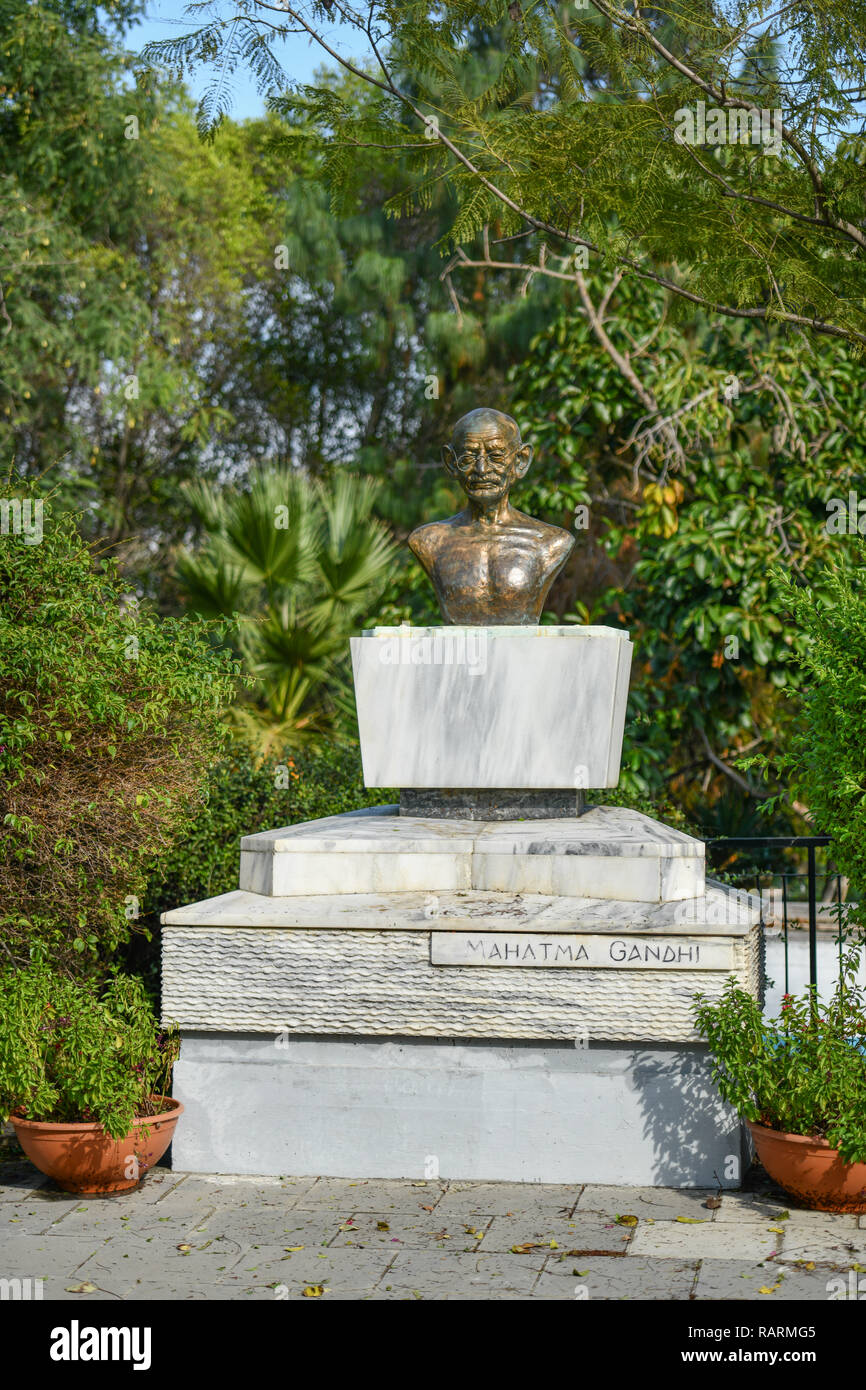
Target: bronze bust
(490, 565)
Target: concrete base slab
(424, 1108)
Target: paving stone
(270, 1226)
(238, 1230)
(33, 1216)
(828, 1245)
(448, 1276)
(340, 1269)
(119, 1262)
(637, 1277)
(737, 1280)
(500, 1198)
(106, 1220)
(372, 1196)
(427, 1230)
(57, 1290)
(380, 1294)
(660, 1203)
(742, 1206)
(589, 1231)
(43, 1256)
(705, 1241)
(147, 1291)
(224, 1190)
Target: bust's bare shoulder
(425, 540)
(554, 539)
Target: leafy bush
(242, 796)
(73, 1050)
(295, 567)
(822, 758)
(109, 723)
(801, 1073)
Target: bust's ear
(522, 460)
(449, 459)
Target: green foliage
(126, 252)
(801, 1073)
(821, 759)
(682, 534)
(74, 1050)
(110, 719)
(299, 564)
(245, 794)
(570, 121)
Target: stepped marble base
(511, 1000)
(492, 1111)
(610, 852)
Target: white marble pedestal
(498, 707)
(501, 1001)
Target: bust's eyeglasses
(496, 457)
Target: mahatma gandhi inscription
(591, 952)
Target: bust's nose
(481, 464)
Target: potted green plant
(799, 1080)
(85, 1068)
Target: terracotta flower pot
(82, 1158)
(811, 1170)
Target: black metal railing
(767, 865)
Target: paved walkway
(193, 1237)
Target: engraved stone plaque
(594, 952)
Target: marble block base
(519, 707)
(609, 852)
(410, 1108)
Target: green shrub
(244, 795)
(822, 761)
(801, 1073)
(75, 1050)
(109, 724)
